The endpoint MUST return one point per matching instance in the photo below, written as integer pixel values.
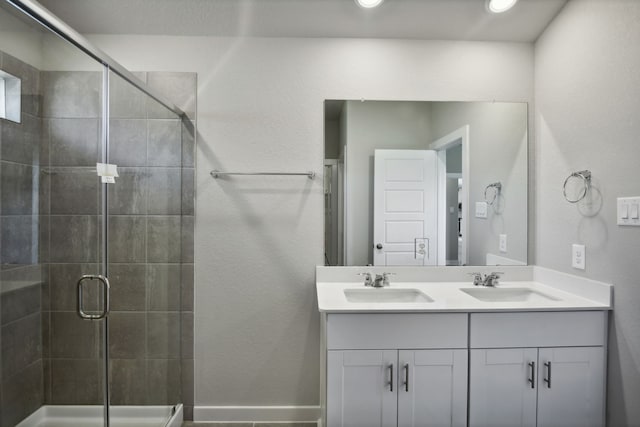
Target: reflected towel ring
(497, 187)
(585, 176)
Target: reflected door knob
(379, 246)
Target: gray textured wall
(260, 107)
(587, 106)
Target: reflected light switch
(481, 209)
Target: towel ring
(497, 187)
(585, 176)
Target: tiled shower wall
(21, 380)
(150, 244)
(49, 236)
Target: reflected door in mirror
(405, 207)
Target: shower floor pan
(92, 416)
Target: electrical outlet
(503, 243)
(578, 257)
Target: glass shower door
(73, 228)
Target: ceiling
(409, 19)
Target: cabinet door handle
(406, 377)
(548, 379)
(532, 376)
(391, 377)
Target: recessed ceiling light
(368, 4)
(499, 6)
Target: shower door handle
(105, 298)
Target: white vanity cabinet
(537, 369)
(393, 370)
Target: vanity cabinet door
(571, 387)
(432, 388)
(361, 388)
(502, 387)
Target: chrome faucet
(381, 280)
(489, 280)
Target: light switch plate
(481, 209)
(503, 243)
(578, 257)
(628, 211)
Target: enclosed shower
(96, 232)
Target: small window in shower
(9, 97)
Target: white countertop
(568, 292)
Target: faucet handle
(477, 278)
(492, 278)
(385, 278)
(367, 278)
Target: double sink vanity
(432, 349)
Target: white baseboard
(257, 413)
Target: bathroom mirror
(425, 183)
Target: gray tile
(128, 142)
(46, 373)
(128, 196)
(19, 303)
(45, 301)
(44, 192)
(74, 142)
(125, 100)
(21, 344)
(74, 238)
(71, 93)
(188, 188)
(187, 411)
(164, 191)
(44, 231)
(187, 335)
(163, 382)
(180, 88)
(45, 141)
(188, 132)
(163, 335)
(128, 287)
(74, 191)
(127, 238)
(128, 381)
(63, 280)
(127, 335)
(46, 334)
(163, 239)
(76, 382)
(18, 239)
(72, 337)
(187, 287)
(163, 287)
(17, 189)
(186, 234)
(187, 383)
(164, 143)
(21, 141)
(22, 394)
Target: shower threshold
(92, 416)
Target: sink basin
(386, 295)
(508, 295)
